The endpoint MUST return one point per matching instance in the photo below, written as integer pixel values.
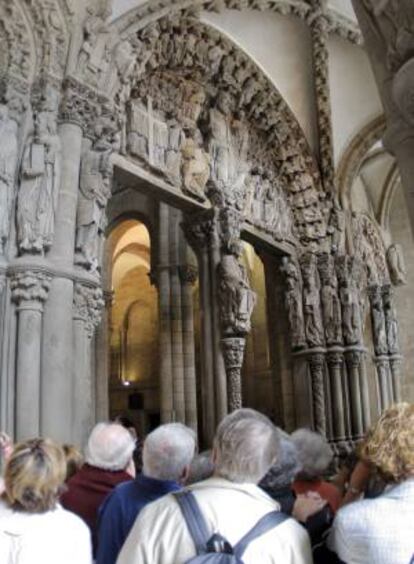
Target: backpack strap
(194, 519)
(265, 524)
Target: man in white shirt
(245, 447)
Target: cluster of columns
(50, 308)
(175, 276)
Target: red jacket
(86, 491)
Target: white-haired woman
(34, 528)
(315, 455)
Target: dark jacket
(120, 509)
(86, 491)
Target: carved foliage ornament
(88, 303)
(30, 286)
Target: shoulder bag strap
(265, 524)
(194, 519)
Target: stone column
(29, 291)
(395, 364)
(335, 360)
(233, 350)
(383, 374)
(316, 361)
(197, 231)
(88, 303)
(164, 300)
(58, 351)
(176, 318)
(366, 403)
(189, 275)
(102, 362)
(353, 359)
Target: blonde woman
(34, 528)
(380, 530)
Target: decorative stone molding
(338, 24)
(80, 104)
(233, 352)
(30, 289)
(88, 303)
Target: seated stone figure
(167, 455)
(34, 528)
(108, 463)
(245, 447)
(380, 530)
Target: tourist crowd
(260, 496)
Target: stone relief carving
(317, 367)
(236, 299)
(391, 22)
(396, 265)
(94, 53)
(331, 304)
(233, 353)
(391, 320)
(88, 303)
(349, 296)
(228, 144)
(311, 301)
(195, 168)
(10, 114)
(40, 179)
(16, 46)
(369, 248)
(294, 302)
(378, 320)
(95, 189)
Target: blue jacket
(118, 512)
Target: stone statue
(236, 299)
(294, 303)
(94, 54)
(311, 304)
(195, 167)
(331, 304)
(228, 144)
(351, 321)
(396, 265)
(40, 182)
(95, 189)
(8, 162)
(378, 321)
(391, 321)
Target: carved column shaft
(395, 364)
(29, 291)
(319, 34)
(384, 382)
(335, 363)
(353, 359)
(317, 373)
(88, 303)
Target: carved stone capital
(200, 229)
(80, 104)
(335, 358)
(354, 358)
(88, 303)
(30, 289)
(188, 274)
(233, 353)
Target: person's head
(74, 459)
(314, 454)
(201, 468)
(245, 446)
(168, 452)
(127, 424)
(390, 443)
(110, 447)
(34, 476)
(285, 469)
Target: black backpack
(215, 549)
